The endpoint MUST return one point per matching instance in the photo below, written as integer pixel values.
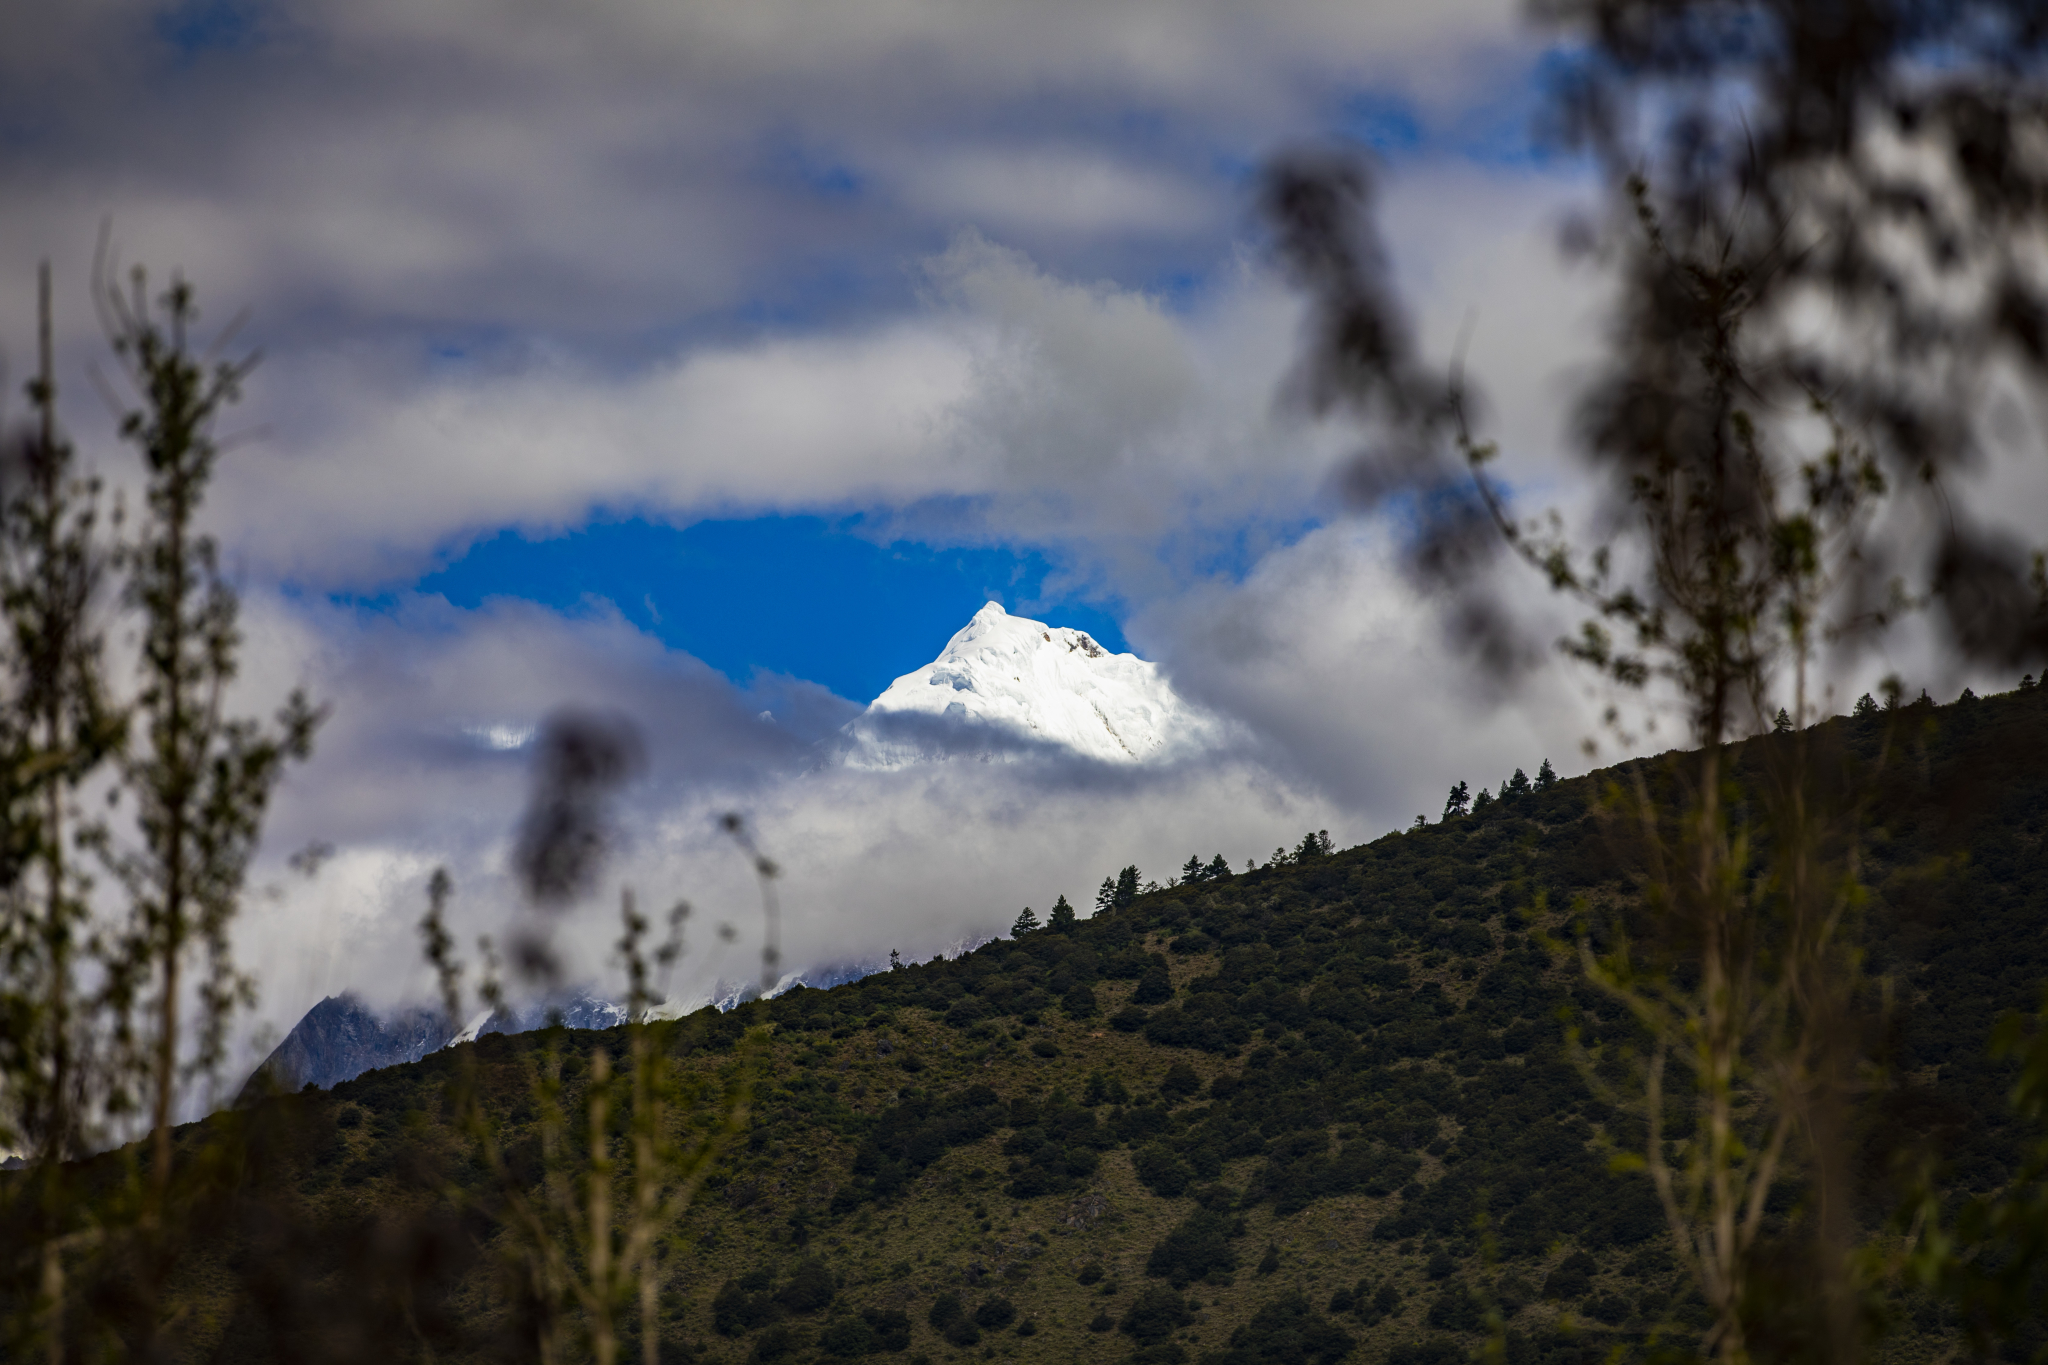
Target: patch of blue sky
(1232, 554)
(825, 293)
(810, 597)
(201, 26)
(1385, 122)
(810, 169)
(1508, 128)
(1180, 288)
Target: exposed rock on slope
(340, 1038)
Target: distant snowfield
(1007, 687)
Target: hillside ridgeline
(1315, 1112)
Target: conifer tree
(1781, 724)
(57, 728)
(200, 779)
(1126, 887)
(1062, 918)
(1518, 785)
(1192, 870)
(1546, 777)
(1218, 869)
(1482, 801)
(1458, 802)
(1105, 896)
(1313, 845)
(1866, 705)
(1155, 986)
(186, 796)
(1026, 923)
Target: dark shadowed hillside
(1309, 1113)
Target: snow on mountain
(1008, 686)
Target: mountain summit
(1007, 686)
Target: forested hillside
(1319, 1111)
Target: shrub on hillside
(846, 1338)
(951, 1321)
(891, 1327)
(810, 1288)
(1103, 1088)
(1129, 1019)
(1160, 1171)
(1611, 1309)
(1286, 1332)
(777, 1342)
(742, 1305)
(1155, 987)
(1572, 1278)
(1199, 1247)
(1455, 1310)
(1155, 1315)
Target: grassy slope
(1376, 1049)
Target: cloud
(419, 699)
(1343, 669)
(409, 775)
(1073, 190)
(385, 468)
(346, 169)
(1042, 409)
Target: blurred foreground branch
(584, 1259)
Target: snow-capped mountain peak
(1006, 685)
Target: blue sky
(802, 596)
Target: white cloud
(347, 168)
(1057, 189)
(384, 468)
(1071, 412)
(1332, 655)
